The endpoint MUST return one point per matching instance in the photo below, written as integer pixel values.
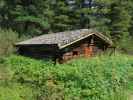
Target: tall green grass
(99, 78)
(14, 91)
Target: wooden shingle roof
(63, 39)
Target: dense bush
(7, 41)
(99, 78)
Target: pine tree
(61, 18)
(94, 14)
(131, 22)
(34, 17)
(26, 17)
(120, 19)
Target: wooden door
(88, 51)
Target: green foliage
(32, 22)
(99, 78)
(24, 16)
(15, 92)
(120, 19)
(111, 17)
(32, 19)
(7, 41)
(84, 79)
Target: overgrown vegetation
(99, 78)
(14, 91)
(7, 41)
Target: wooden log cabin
(63, 46)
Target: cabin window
(75, 53)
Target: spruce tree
(26, 17)
(94, 14)
(131, 22)
(120, 19)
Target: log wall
(82, 48)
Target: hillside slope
(98, 78)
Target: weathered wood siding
(84, 48)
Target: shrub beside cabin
(64, 46)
